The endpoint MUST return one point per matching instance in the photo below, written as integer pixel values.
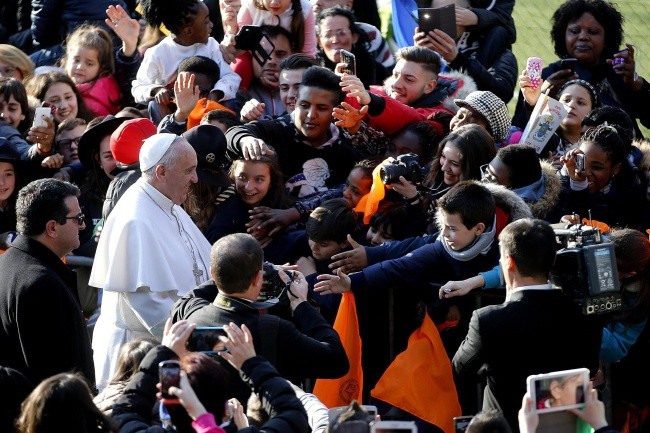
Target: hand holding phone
(205, 339)
(534, 71)
(620, 60)
(350, 60)
(40, 114)
(580, 161)
(569, 64)
(558, 391)
(170, 375)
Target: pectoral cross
(198, 273)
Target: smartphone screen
(461, 423)
(169, 375)
(206, 339)
(558, 391)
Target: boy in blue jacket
(467, 243)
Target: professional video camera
(404, 165)
(585, 269)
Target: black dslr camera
(404, 165)
(272, 286)
(585, 269)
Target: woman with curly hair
(590, 31)
(606, 189)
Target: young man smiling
(414, 92)
(311, 151)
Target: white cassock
(150, 253)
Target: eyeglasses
(67, 142)
(80, 219)
(486, 176)
(339, 34)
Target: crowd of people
(361, 221)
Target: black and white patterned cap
(492, 108)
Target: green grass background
(533, 21)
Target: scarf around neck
(481, 245)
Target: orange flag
(370, 202)
(419, 380)
(340, 392)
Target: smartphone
(443, 18)
(170, 375)
(40, 114)
(619, 60)
(252, 39)
(394, 427)
(534, 70)
(205, 339)
(558, 391)
(569, 64)
(580, 161)
(349, 59)
(461, 423)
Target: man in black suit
(309, 349)
(42, 331)
(536, 330)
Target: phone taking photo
(42, 113)
(169, 375)
(580, 161)
(442, 18)
(569, 64)
(350, 60)
(461, 423)
(205, 339)
(558, 391)
(620, 60)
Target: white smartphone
(394, 427)
(560, 390)
(40, 114)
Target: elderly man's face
(179, 176)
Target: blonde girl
(90, 64)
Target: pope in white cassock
(150, 252)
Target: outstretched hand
(329, 284)
(187, 95)
(350, 261)
(125, 27)
(349, 117)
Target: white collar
(158, 197)
(546, 286)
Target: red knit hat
(127, 139)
